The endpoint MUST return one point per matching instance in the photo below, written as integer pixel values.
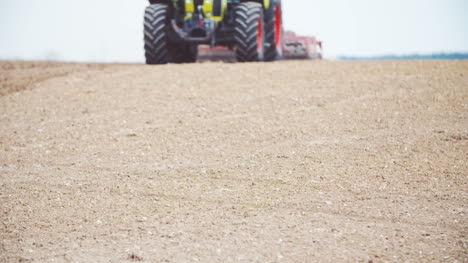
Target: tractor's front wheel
(159, 49)
(249, 32)
(156, 34)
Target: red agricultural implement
(294, 47)
(301, 47)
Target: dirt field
(218, 162)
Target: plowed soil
(218, 162)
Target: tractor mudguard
(215, 9)
(185, 7)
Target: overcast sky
(111, 30)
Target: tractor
(173, 29)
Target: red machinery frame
(302, 47)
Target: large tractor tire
(159, 49)
(249, 32)
(156, 34)
(274, 38)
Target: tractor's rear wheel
(274, 38)
(249, 32)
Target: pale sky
(111, 30)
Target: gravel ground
(294, 161)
